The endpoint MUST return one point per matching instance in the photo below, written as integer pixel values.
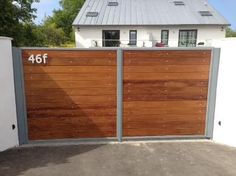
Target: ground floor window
(111, 38)
(187, 38)
(165, 37)
(133, 37)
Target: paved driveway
(133, 159)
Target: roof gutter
(76, 25)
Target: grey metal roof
(148, 12)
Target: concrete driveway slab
(130, 159)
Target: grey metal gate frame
(20, 96)
(21, 103)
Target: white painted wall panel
(8, 136)
(225, 111)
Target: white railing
(147, 43)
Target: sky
(45, 8)
(226, 7)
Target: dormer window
(112, 3)
(179, 3)
(205, 13)
(92, 14)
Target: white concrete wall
(147, 35)
(225, 111)
(8, 136)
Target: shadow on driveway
(16, 161)
(132, 159)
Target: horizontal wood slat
(70, 77)
(167, 83)
(70, 84)
(74, 99)
(68, 104)
(73, 95)
(100, 113)
(163, 118)
(167, 76)
(165, 92)
(154, 68)
(170, 104)
(62, 54)
(68, 69)
(83, 91)
(178, 54)
(72, 61)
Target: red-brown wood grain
(73, 95)
(165, 92)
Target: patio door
(187, 38)
(111, 38)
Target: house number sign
(38, 58)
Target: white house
(148, 23)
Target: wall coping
(5, 38)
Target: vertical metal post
(119, 93)
(212, 88)
(20, 96)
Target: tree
(230, 32)
(16, 21)
(28, 35)
(63, 18)
(51, 35)
(15, 17)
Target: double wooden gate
(74, 93)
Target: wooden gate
(165, 92)
(73, 93)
